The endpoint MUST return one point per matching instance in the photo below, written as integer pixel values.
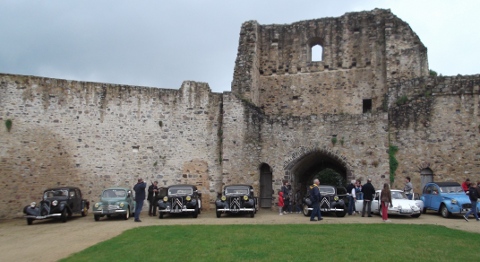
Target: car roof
(440, 184)
(61, 187)
(238, 185)
(183, 185)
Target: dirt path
(51, 240)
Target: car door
(435, 198)
(376, 203)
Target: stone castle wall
(283, 112)
(95, 135)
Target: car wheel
(340, 213)
(424, 210)
(252, 214)
(96, 217)
(84, 212)
(63, 217)
(29, 221)
(127, 215)
(306, 212)
(195, 213)
(416, 215)
(219, 214)
(444, 211)
(160, 215)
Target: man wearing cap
(139, 189)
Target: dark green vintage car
(114, 201)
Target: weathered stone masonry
(371, 89)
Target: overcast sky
(163, 43)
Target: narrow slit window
(367, 105)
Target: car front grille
(177, 203)
(45, 208)
(468, 205)
(325, 203)
(235, 203)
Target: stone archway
(305, 162)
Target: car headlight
(454, 201)
(54, 202)
(97, 205)
(245, 197)
(122, 204)
(418, 205)
(188, 198)
(165, 199)
(224, 198)
(335, 198)
(33, 204)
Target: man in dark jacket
(152, 198)
(368, 191)
(315, 197)
(473, 195)
(139, 189)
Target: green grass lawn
(315, 242)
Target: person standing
(473, 195)
(386, 198)
(315, 197)
(298, 201)
(286, 197)
(408, 189)
(368, 191)
(280, 203)
(352, 196)
(152, 196)
(466, 184)
(139, 189)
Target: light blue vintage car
(114, 201)
(447, 198)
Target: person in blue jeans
(315, 197)
(139, 189)
(473, 195)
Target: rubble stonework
(371, 89)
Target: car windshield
(236, 190)
(327, 190)
(55, 193)
(180, 191)
(114, 193)
(451, 189)
(398, 195)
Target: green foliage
(329, 176)
(402, 100)
(432, 73)
(342, 141)
(334, 140)
(293, 242)
(392, 150)
(8, 124)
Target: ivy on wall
(392, 150)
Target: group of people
(139, 189)
(473, 192)
(288, 200)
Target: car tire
(160, 215)
(96, 217)
(29, 221)
(444, 211)
(127, 215)
(424, 210)
(219, 214)
(195, 213)
(340, 213)
(252, 214)
(63, 217)
(305, 210)
(416, 215)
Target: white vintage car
(401, 204)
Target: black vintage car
(332, 200)
(59, 202)
(237, 199)
(180, 199)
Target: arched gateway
(305, 162)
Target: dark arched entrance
(266, 190)
(306, 164)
